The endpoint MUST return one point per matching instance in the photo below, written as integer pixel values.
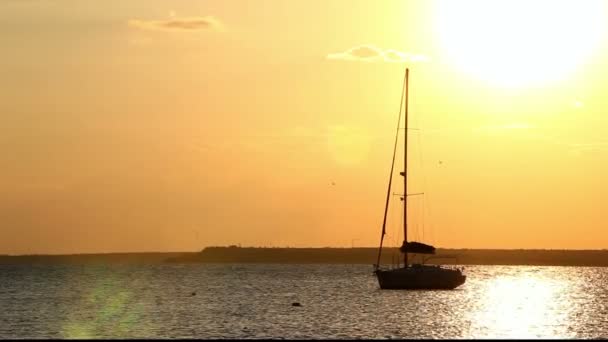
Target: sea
(258, 301)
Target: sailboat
(416, 275)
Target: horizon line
(288, 247)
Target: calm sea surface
(255, 301)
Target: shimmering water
(255, 301)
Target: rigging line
(423, 219)
(416, 224)
(424, 181)
(390, 179)
(426, 206)
(400, 235)
(421, 226)
(396, 225)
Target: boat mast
(407, 72)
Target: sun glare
(516, 43)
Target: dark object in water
(296, 304)
(193, 294)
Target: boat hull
(419, 278)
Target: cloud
(579, 148)
(370, 53)
(179, 24)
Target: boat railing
(456, 265)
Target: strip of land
(101, 258)
(366, 256)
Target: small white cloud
(370, 53)
(179, 24)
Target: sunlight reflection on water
(254, 301)
(522, 306)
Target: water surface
(255, 301)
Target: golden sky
(149, 125)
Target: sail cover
(417, 247)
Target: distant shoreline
(330, 255)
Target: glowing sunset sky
(148, 125)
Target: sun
(515, 43)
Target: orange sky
(173, 125)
